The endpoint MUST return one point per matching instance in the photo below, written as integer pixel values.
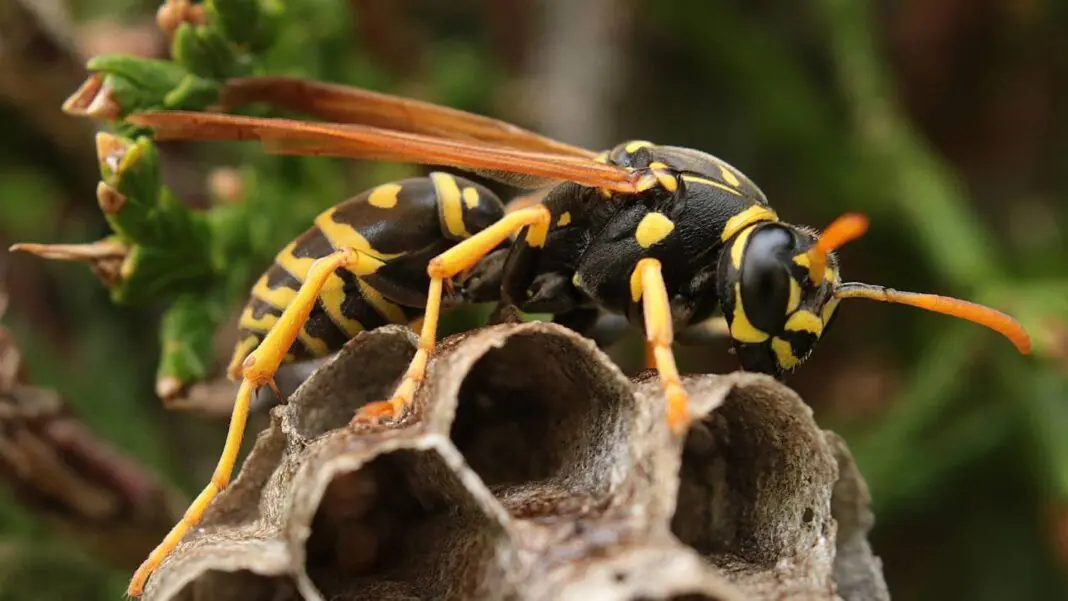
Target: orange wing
(347, 104)
(288, 136)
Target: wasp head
(780, 287)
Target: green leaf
(186, 338)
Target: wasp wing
(524, 168)
(347, 104)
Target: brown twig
(58, 469)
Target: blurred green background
(945, 120)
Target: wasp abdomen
(400, 226)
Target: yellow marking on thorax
(384, 196)
(666, 180)
(753, 214)
(784, 353)
(564, 219)
(343, 235)
(795, 296)
(693, 179)
(653, 228)
(387, 309)
(804, 321)
(636, 145)
(601, 158)
(470, 196)
(278, 298)
(729, 175)
(742, 329)
(448, 192)
(635, 285)
(738, 248)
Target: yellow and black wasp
(661, 236)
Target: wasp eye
(765, 279)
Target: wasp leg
(258, 370)
(659, 335)
(441, 268)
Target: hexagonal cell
(401, 525)
(756, 477)
(648, 571)
(540, 409)
(371, 366)
(242, 585)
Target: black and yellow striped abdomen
(402, 226)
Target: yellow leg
(659, 333)
(441, 268)
(257, 370)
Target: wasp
(664, 237)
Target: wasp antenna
(955, 307)
(849, 226)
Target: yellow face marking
(795, 297)
(737, 250)
(384, 196)
(802, 260)
(343, 235)
(636, 145)
(653, 228)
(278, 298)
(451, 204)
(741, 329)
(729, 176)
(601, 158)
(784, 353)
(693, 179)
(470, 197)
(753, 214)
(828, 310)
(804, 321)
(636, 285)
(658, 165)
(384, 307)
(564, 219)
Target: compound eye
(765, 278)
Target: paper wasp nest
(532, 468)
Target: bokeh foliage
(825, 103)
